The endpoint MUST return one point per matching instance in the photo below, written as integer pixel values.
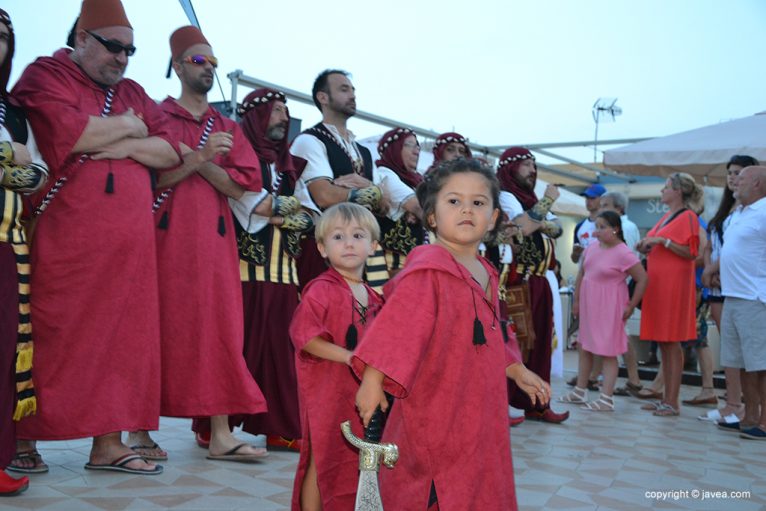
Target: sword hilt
(371, 454)
(374, 430)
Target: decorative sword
(371, 454)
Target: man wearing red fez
(517, 173)
(21, 171)
(203, 371)
(268, 246)
(339, 169)
(95, 310)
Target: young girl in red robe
(335, 309)
(439, 347)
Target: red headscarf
(255, 112)
(390, 150)
(443, 140)
(507, 167)
(5, 69)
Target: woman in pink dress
(601, 301)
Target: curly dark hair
(436, 178)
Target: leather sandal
(629, 389)
(604, 403)
(577, 396)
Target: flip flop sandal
(143, 451)
(39, 466)
(120, 465)
(231, 455)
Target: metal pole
(595, 143)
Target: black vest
(16, 123)
(340, 162)
(262, 239)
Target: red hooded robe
(450, 418)
(327, 389)
(203, 370)
(95, 308)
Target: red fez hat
(102, 13)
(184, 38)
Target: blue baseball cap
(594, 191)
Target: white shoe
(712, 416)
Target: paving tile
(602, 462)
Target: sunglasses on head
(114, 46)
(201, 60)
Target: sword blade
(367, 493)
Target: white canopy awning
(701, 152)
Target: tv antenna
(604, 110)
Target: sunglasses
(201, 60)
(114, 46)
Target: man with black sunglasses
(204, 373)
(95, 309)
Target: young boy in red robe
(446, 359)
(335, 309)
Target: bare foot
(225, 443)
(108, 448)
(142, 443)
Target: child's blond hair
(347, 212)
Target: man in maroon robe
(269, 245)
(517, 173)
(203, 371)
(95, 311)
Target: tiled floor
(594, 461)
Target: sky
(500, 72)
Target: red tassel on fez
(109, 183)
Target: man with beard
(203, 371)
(95, 309)
(517, 174)
(338, 169)
(268, 245)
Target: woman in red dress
(668, 311)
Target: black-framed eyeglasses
(114, 46)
